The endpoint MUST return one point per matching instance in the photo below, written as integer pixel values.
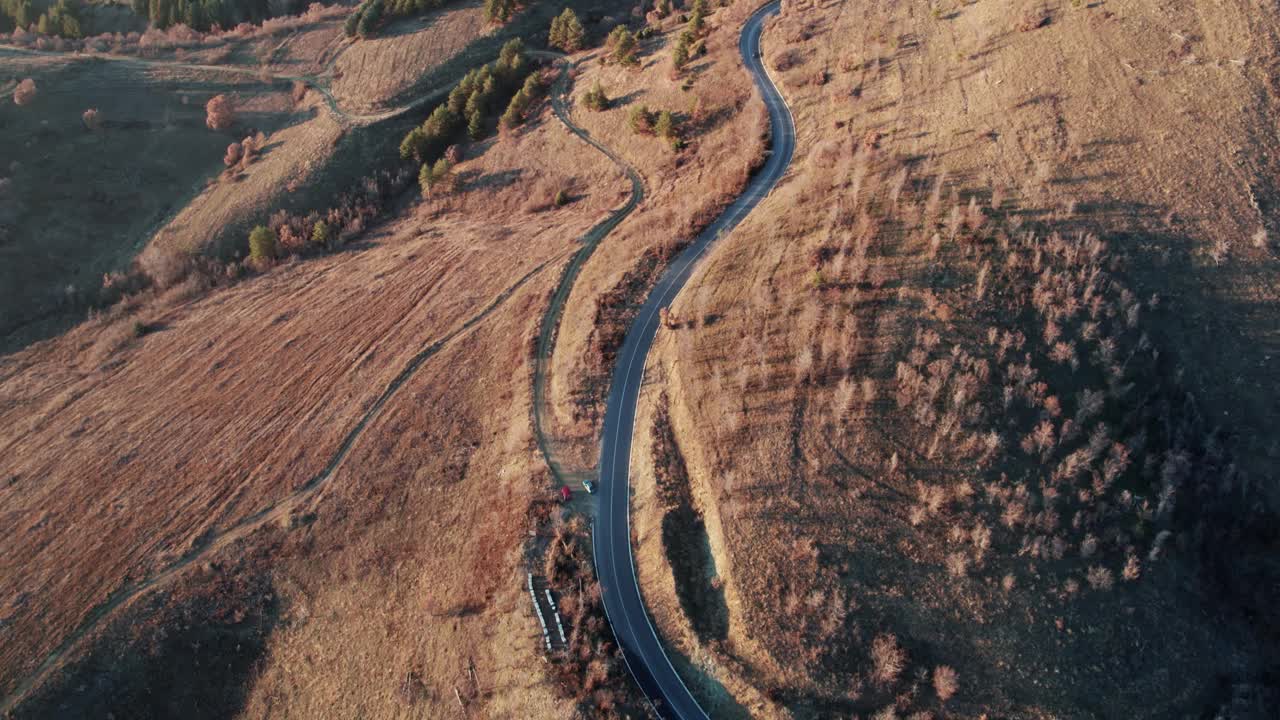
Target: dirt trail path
(271, 513)
(590, 241)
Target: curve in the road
(589, 242)
(615, 567)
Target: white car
(589, 486)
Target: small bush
(945, 682)
(25, 93)
(665, 127)
(219, 113)
(562, 198)
(595, 98)
(640, 120)
(232, 157)
(262, 244)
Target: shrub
(233, 154)
(262, 243)
(92, 119)
(640, 120)
(595, 98)
(321, 234)
(567, 32)
(1033, 16)
(562, 198)
(25, 92)
(1099, 578)
(665, 127)
(219, 113)
(164, 264)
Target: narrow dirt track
(271, 513)
(590, 241)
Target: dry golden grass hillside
(309, 489)
(986, 384)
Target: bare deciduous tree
(945, 682)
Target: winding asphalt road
(611, 536)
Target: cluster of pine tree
(61, 19)
(622, 45)
(370, 14)
(204, 14)
(567, 32)
(499, 11)
(471, 103)
(690, 44)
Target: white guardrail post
(546, 637)
(555, 611)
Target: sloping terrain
(326, 429)
(79, 202)
(723, 124)
(986, 384)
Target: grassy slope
(1111, 118)
(441, 492)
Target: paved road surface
(615, 566)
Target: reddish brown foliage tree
(220, 113)
(25, 92)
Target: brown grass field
(417, 534)
(969, 418)
(987, 379)
(371, 74)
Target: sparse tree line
(62, 19)
(370, 15)
(690, 43)
(204, 15)
(51, 35)
(509, 82)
